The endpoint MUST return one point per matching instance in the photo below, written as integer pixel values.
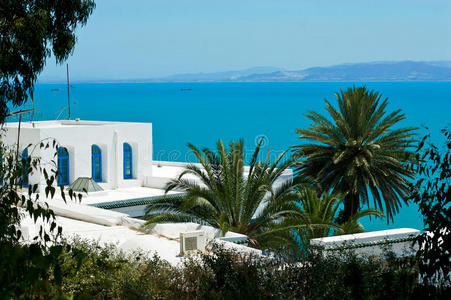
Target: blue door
(128, 163)
(63, 166)
(96, 159)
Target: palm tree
(223, 197)
(320, 214)
(357, 153)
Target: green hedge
(105, 273)
(87, 270)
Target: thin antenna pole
(17, 149)
(19, 113)
(18, 139)
(68, 88)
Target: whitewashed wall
(376, 243)
(78, 137)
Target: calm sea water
(229, 111)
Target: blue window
(128, 161)
(96, 160)
(26, 166)
(63, 166)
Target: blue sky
(152, 38)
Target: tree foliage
(30, 32)
(17, 201)
(27, 263)
(226, 274)
(319, 214)
(432, 194)
(227, 199)
(356, 152)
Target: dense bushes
(28, 272)
(89, 270)
(108, 274)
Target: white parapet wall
(164, 171)
(399, 241)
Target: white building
(118, 156)
(115, 154)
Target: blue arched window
(128, 163)
(26, 166)
(96, 160)
(63, 166)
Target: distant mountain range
(374, 71)
(221, 76)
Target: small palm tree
(223, 197)
(316, 216)
(357, 153)
(317, 212)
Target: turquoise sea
(227, 111)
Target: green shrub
(107, 273)
(88, 270)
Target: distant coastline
(366, 72)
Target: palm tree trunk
(351, 202)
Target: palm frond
(358, 152)
(219, 194)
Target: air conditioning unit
(191, 242)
